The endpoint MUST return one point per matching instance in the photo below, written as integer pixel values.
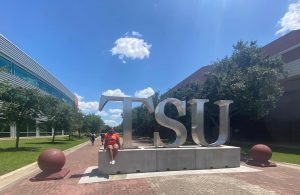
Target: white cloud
(78, 97)
(112, 117)
(291, 19)
(136, 34)
(115, 111)
(111, 123)
(114, 92)
(87, 107)
(144, 93)
(101, 113)
(116, 114)
(131, 47)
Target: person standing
(112, 144)
(102, 138)
(92, 138)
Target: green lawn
(281, 154)
(12, 159)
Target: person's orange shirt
(111, 139)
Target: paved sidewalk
(284, 179)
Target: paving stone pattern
(278, 180)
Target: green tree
(249, 79)
(246, 77)
(192, 90)
(19, 105)
(92, 123)
(62, 118)
(49, 108)
(77, 122)
(59, 114)
(143, 122)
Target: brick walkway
(278, 180)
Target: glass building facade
(32, 79)
(34, 74)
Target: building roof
(283, 44)
(13, 52)
(199, 76)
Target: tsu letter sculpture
(172, 156)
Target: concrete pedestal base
(169, 159)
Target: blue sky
(127, 46)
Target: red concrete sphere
(261, 153)
(51, 160)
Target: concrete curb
(23, 172)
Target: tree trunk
(69, 136)
(17, 136)
(79, 136)
(53, 136)
(17, 139)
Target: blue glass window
(33, 80)
(21, 73)
(5, 64)
(43, 86)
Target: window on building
(43, 86)
(5, 65)
(21, 73)
(32, 79)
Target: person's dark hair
(111, 131)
